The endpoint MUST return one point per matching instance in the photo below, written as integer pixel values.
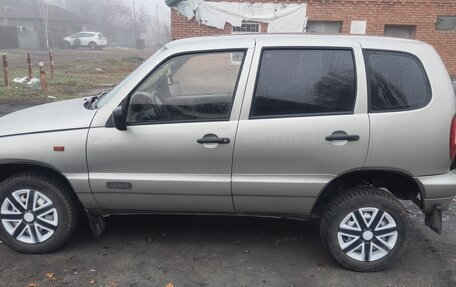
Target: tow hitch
(434, 219)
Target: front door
(304, 124)
(176, 154)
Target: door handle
(342, 137)
(212, 139)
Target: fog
(147, 19)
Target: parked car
(92, 40)
(335, 127)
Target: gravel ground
(147, 250)
(155, 250)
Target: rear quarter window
(396, 81)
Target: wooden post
(5, 69)
(43, 77)
(29, 66)
(51, 60)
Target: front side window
(301, 82)
(191, 87)
(396, 81)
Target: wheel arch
(397, 182)
(11, 167)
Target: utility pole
(34, 16)
(5, 20)
(134, 20)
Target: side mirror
(118, 119)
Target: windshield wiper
(91, 104)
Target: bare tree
(138, 18)
(160, 31)
(141, 21)
(101, 12)
(110, 11)
(44, 14)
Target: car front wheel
(365, 229)
(37, 213)
(66, 45)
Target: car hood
(70, 114)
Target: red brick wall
(377, 13)
(183, 28)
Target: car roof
(89, 32)
(271, 38)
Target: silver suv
(334, 127)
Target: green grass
(71, 80)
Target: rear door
(85, 38)
(303, 123)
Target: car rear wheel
(93, 46)
(365, 229)
(38, 214)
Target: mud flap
(97, 223)
(434, 219)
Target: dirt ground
(155, 250)
(76, 72)
(17, 58)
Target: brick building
(432, 21)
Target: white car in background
(92, 40)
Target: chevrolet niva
(298, 126)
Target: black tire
(62, 199)
(67, 45)
(93, 46)
(350, 202)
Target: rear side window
(396, 81)
(304, 82)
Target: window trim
(126, 101)
(368, 81)
(352, 52)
